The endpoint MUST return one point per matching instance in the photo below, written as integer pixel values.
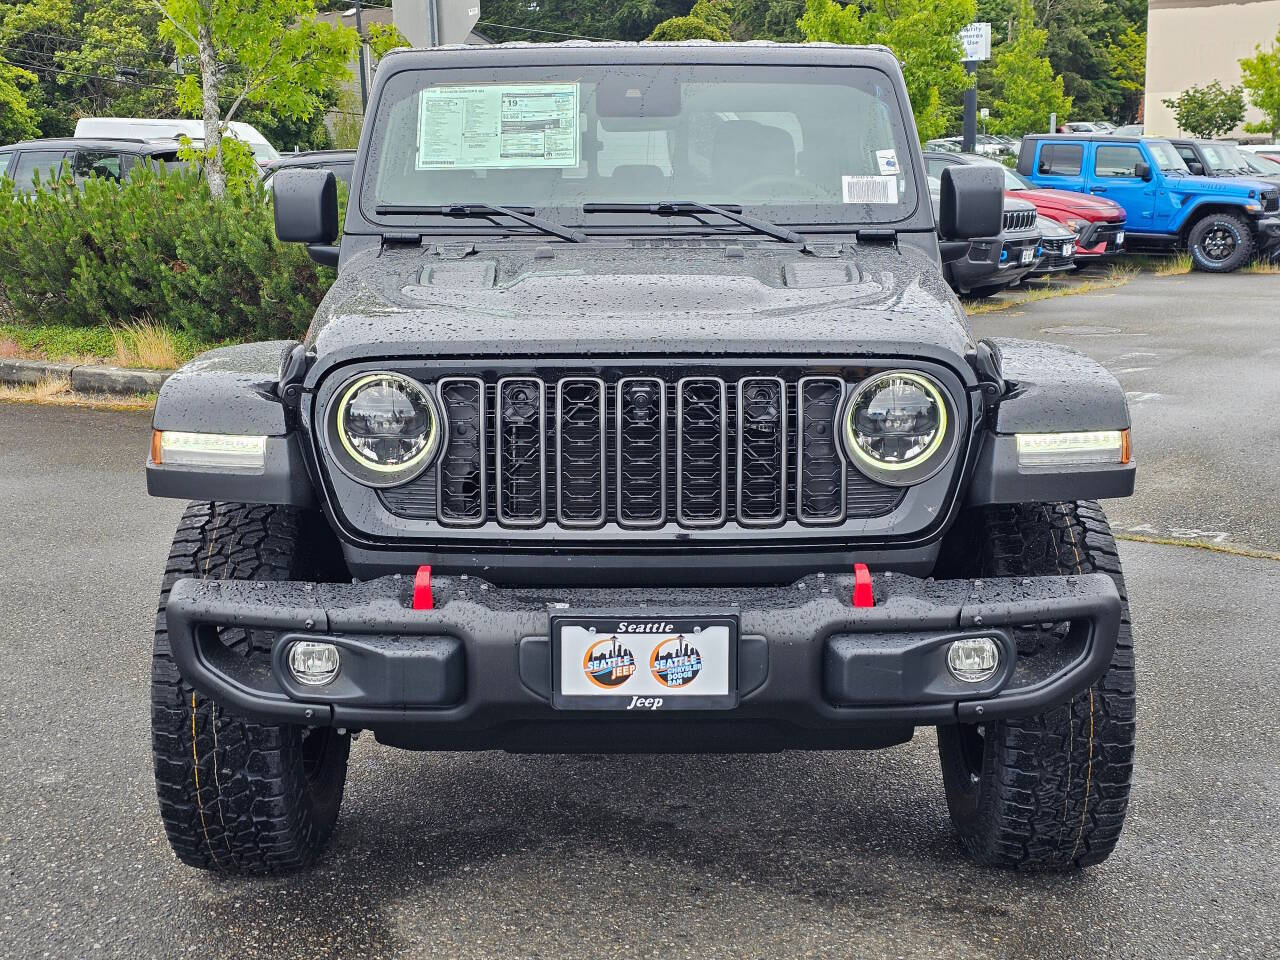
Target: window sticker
(887, 160)
(501, 126)
(870, 189)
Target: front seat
(744, 150)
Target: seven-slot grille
(1019, 219)
(1271, 201)
(641, 452)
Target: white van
(140, 128)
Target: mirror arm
(325, 254)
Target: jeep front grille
(641, 452)
(1019, 219)
(1271, 201)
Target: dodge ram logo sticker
(675, 662)
(607, 663)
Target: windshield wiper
(673, 208)
(487, 211)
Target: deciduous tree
(270, 53)
(923, 34)
(707, 20)
(1029, 91)
(17, 119)
(1261, 74)
(1208, 111)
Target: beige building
(1194, 42)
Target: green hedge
(156, 247)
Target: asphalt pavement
(795, 854)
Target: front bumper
(812, 670)
(1268, 234)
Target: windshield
(1260, 164)
(1166, 157)
(1222, 158)
(804, 146)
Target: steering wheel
(805, 186)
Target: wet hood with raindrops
(641, 298)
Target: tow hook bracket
(863, 595)
(423, 598)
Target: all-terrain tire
(1205, 242)
(235, 795)
(1047, 791)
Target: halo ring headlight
(383, 429)
(898, 427)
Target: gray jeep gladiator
(639, 419)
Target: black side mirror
(1142, 169)
(306, 206)
(1196, 167)
(972, 202)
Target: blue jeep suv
(1223, 222)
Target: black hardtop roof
(617, 51)
(122, 144)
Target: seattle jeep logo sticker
(675, 662)
(608, 663)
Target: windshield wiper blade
(486, 210)
(671, 208)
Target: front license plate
(1028, 255)
(644, 664)
(1120, 238)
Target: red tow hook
(422, 596)
(862, 593)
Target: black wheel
(1220, 243)
(1048, 791)
(235, 795)
(982, 293)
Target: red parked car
(1098, 223)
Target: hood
(1232, 186)
(661, 297)
(1073, 204)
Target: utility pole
(969, 135)
(364, 69)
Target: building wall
(1194, 42)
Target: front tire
(1220, 243)
(238, 796)
(1048, 791)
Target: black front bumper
(812, 669)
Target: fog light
(312, 663)
(973, 659)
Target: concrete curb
(84, 377)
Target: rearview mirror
(971, 203)
(306, 206)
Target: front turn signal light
(176, 448)
(1085, 448)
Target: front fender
(1192, 210)
(232, 390)
(1050, 389)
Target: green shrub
(157, 247)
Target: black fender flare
(233, 390)
(1049, 389)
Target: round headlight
(896, 425)
(386, 429)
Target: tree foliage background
(1208, 111)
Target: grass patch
(1162, 265)
(147, 344)
(142, 344)
(58, 393)
(1262, 266)
(1117, 275)
(1176, 265)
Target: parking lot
(840, 855)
